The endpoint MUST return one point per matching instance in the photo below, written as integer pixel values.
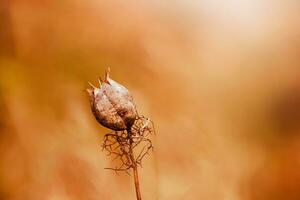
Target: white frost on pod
(112, 104)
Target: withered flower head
(112, 104)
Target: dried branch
(136, 141)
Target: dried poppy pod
(112, 104)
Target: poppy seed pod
(112, 104)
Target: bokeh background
(220, 79)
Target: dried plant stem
(129, 148)
(135, 172)
(137, 183)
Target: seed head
(112, 104)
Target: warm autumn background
(220, 79)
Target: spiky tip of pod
(112, 104)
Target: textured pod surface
(112, 105)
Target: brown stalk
(135, 170)
(129, 148)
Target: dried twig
(113, 107)
(136, 141)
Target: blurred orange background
(220, 79)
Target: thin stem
(122, 145)
(136, 183)
(135, 170)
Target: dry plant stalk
(129, 142)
